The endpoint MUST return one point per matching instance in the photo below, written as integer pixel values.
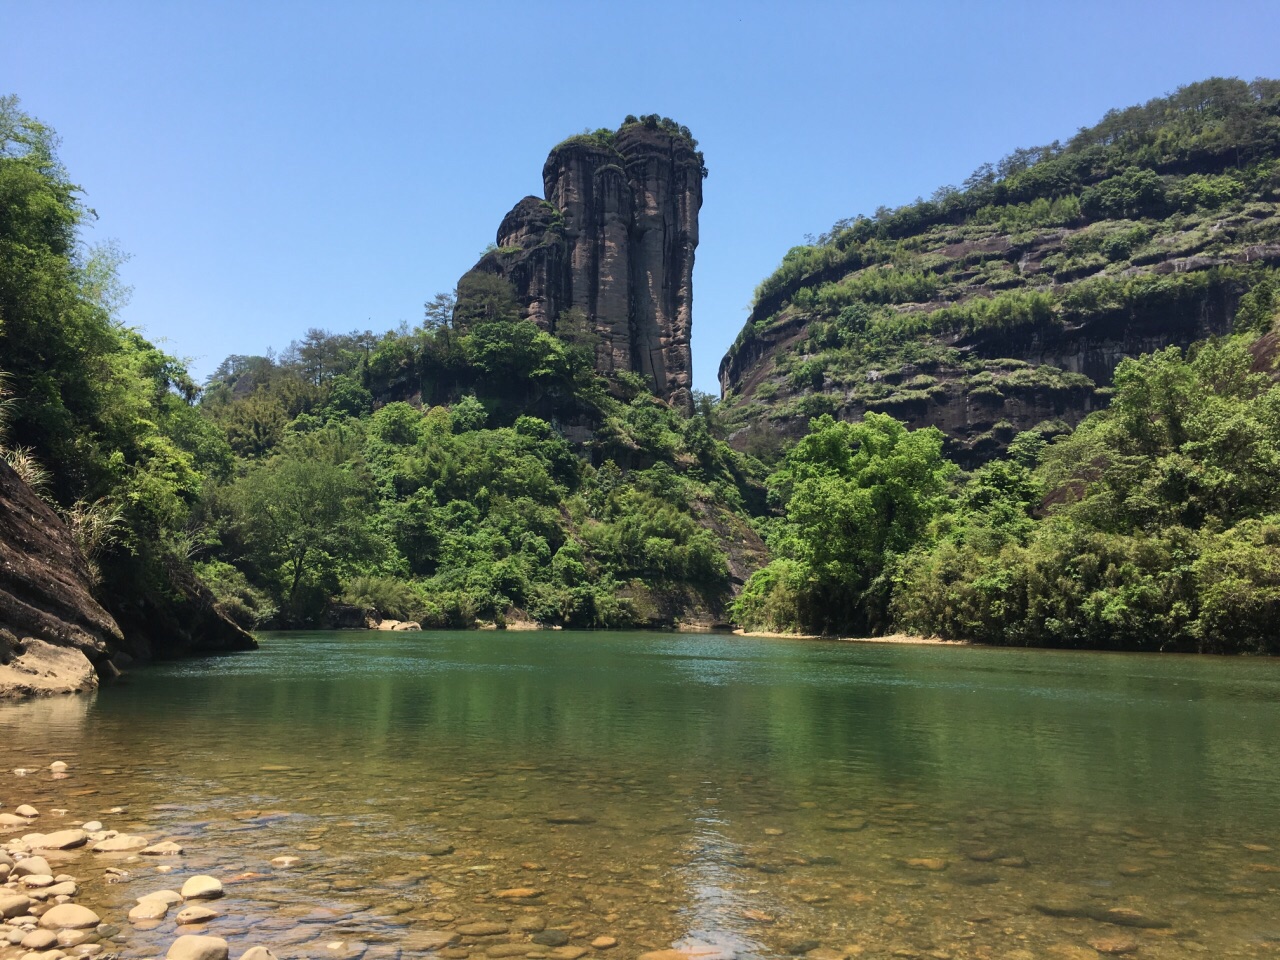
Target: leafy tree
(856, 498)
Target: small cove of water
(755, 795)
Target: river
(729, 796)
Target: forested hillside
(1005, 304)
(1039, 410)
(1130, 272)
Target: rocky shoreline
(40, 918)
(60, 900)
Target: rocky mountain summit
(612, 239)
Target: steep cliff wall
(55, 637)
(1008, 305)
(614, 237)
(52, 630)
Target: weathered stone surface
(31, 865)
(151, 909)
(195, 914)
(69, 916)
(124, 843)
(13, 905)
(195, 947)
(257, 953)
(64, 840)
(50, 624)
(613, 237)
(202, 887)
(165, 849)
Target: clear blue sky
(275, 166)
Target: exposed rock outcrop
(55, 637)
(614, 237)
(52, 630)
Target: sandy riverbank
(902, 638)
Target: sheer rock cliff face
(614, 237)
(55, 637)
(52, 630)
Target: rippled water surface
(726, 795)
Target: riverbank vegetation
(474, 467)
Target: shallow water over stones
(374, 795)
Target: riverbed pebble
(196, 914)
(165, 849)
(31, 864)
(64, 839)
(257, 953)
(149, 910)
(58, 766)
(26, 810)
(39, 940)
(121, 843)
(167, 896)
(202, 887)
(197, 947)
(70, 915)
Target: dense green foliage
(477, 468)
(1154, 525)
(108, 417)
(471, 508)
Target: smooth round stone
(167, 896)
(604, 943)
(37, 880)
(39, 940)
(149, 910)
(64, 889)
(93, 826)
(69, 915)
(166, 849)
(257, 953)
(64, 839)
(32, 865)
(196, 914)
(12, 820)
(121, 844)
(284, 863)
(13, 906)
(26, 810)
(202, 887)
(73, 938)
(552, 938)
(196, 947)
(58, 766)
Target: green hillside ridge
(1006, 304)
(478, 470)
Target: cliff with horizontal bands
(1007, 304)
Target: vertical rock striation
(613, 237)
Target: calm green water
(754, 796)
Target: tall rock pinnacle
(614, 237)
